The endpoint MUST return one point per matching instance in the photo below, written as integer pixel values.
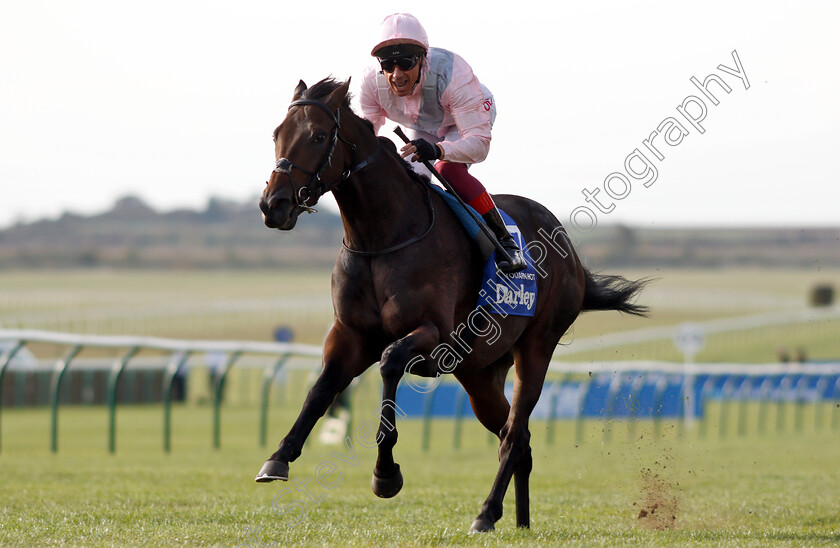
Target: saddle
(500, 293)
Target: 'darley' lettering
(515, 297)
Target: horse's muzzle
(278, 212)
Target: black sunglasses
(405, 63)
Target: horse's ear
(337, 96)
(301, 87)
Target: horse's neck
(381, 206)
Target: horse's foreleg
(343, 361)
(403, 355)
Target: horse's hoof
(482, 526)
(387, 487)
(273, 470)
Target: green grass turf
(757, 490)
(779, 488)
(249, 304)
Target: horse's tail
(606, 292)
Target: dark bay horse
(405, 288)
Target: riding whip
(487, 232)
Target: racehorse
(405, 287)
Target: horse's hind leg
(521, 477)
(494, 406)
(406, 354)
(486, 388)
(514, 447)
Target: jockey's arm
(464, 98)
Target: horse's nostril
(269, 202)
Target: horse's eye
(319, 138)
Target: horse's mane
(329, 84)
(391, 148)
(325, 87)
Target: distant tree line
(229, 234)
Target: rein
(317, 188)
(404, 244)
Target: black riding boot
(494, 220)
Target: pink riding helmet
(401, 28)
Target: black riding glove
(426, 151)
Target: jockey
(435, 94)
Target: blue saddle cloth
(504, 294)
(466, 219)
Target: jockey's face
(402, 81)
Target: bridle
(315, 187)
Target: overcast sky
(176, 101)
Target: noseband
(315, 187)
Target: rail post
(5, 359)
(781, 408)
(801, 398)
(701, 400)
(819, 402)
(610, 403)
(113, 382)
(268, 379)
(835, 390)
(552, 413)
(428, 406)
(727, 393)
(460, 402)
(217, 397)
(766, 390)
(581, 410)
(175, 363)
(658, 402)
(55, 391)
(743, 400)
(636, 388)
